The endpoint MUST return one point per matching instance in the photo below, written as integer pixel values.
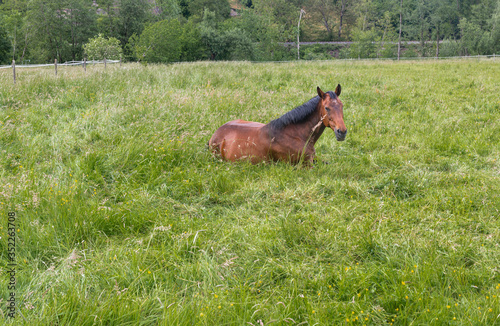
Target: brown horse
(289, 138)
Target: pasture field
(124, 217)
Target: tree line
(39, 31)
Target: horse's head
(331, 110)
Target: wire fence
(434, 58)
(68, 63)
(493, 56)
(94, 62)
(84, 63)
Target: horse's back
(236, 129)
(242, 124)
(240, 139)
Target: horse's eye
(327, 109)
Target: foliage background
(38, 31)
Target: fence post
(55, 65)
(85, 64)
(104, 63)
(298, 34)
(14, 70)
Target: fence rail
(93, 62)
(351, 42)
(80, 63)
(429, 58)
(68, 63)
(384, 59)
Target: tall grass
(125, 218)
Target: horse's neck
(311, 129)
(316, 128)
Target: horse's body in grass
(289, 138)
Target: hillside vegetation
(160, 31)
(124, 217)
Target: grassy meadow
(124, 217)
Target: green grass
(125, 218)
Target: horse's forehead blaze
(334, 104)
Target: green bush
(4, 47)
(316, 52)
(410, 51)
(449, 48)
(192, 47)
(364, 46)
(345, 53)
(220, 8)
(266, 36)
(471, 36)
(160, 42)
(222, 42)
(99, 48)
(389, 50)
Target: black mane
(299, 114)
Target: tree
(81, 24)
(160, 42)
(4, 44)
(389, 35)
(265, 34)
(364, 45)
(474, 40)
(41, 30)
(100, 48)
(284, 12)
(247, 3)
(365, 12)
(342, 7)
(481, 12)
(184, 6)
(440, 13)
(60, 27)
(419, 24)
(364, 35)
(15, 26)
(192, 46)
(49, 30)
(166, 9)
(46, 28)
(220, 8)
(108, 20)
(132, 16)
(495, 29)
(324, 9)
(223, 43)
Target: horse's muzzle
(340, 134)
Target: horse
(289, 138)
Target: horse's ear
(320, 92)
(337, 90)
